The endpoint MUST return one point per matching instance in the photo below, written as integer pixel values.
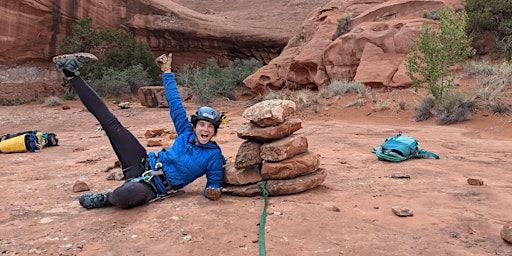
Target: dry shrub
(424, 110)
(52, 101)
(455, 107)
(341, 87)
(499, 107)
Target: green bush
(432, 58)
(120, 82)
(343, 25)
(491, 16)
(212, 80)
(117, 52)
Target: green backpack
(401, 147)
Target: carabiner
(147, 176)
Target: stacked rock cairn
(272, 151)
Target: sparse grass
(300, 97)
(52, 101)
(356, 103)
(7, 102)
(499, 107)
(499, 81)
(477, 69)
(324, 93)
(379, 19)
(382, 105)
(456, 106)
(401, 105)
(361, 89)
(315, 100)
(276, 95)
(373, 95)
(339, 88)
(494, 81)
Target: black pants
(131, 154)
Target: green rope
(263, 218)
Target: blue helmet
(208, 114)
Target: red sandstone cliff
(372, 51)
(298, 56)
(194, 30)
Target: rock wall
(371, 51)
(32, 30)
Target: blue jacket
(186, 160)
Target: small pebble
(506, 233)
(399, 175)
(80, 186)
(401, 211)
(475, 181)
(124, 105)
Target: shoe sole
(90, 201)
(83, 57)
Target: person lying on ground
(149, 176)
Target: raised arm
(176, 109)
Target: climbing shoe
(91, 201)
(71, 63)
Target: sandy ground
(349, 214)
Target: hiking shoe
(72, 62)
(91, 201)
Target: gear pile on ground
(273, 152)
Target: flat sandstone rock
(280, 187)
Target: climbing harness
(261, 236)
(148, 176)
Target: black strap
(160, 173)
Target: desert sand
(349, 214)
